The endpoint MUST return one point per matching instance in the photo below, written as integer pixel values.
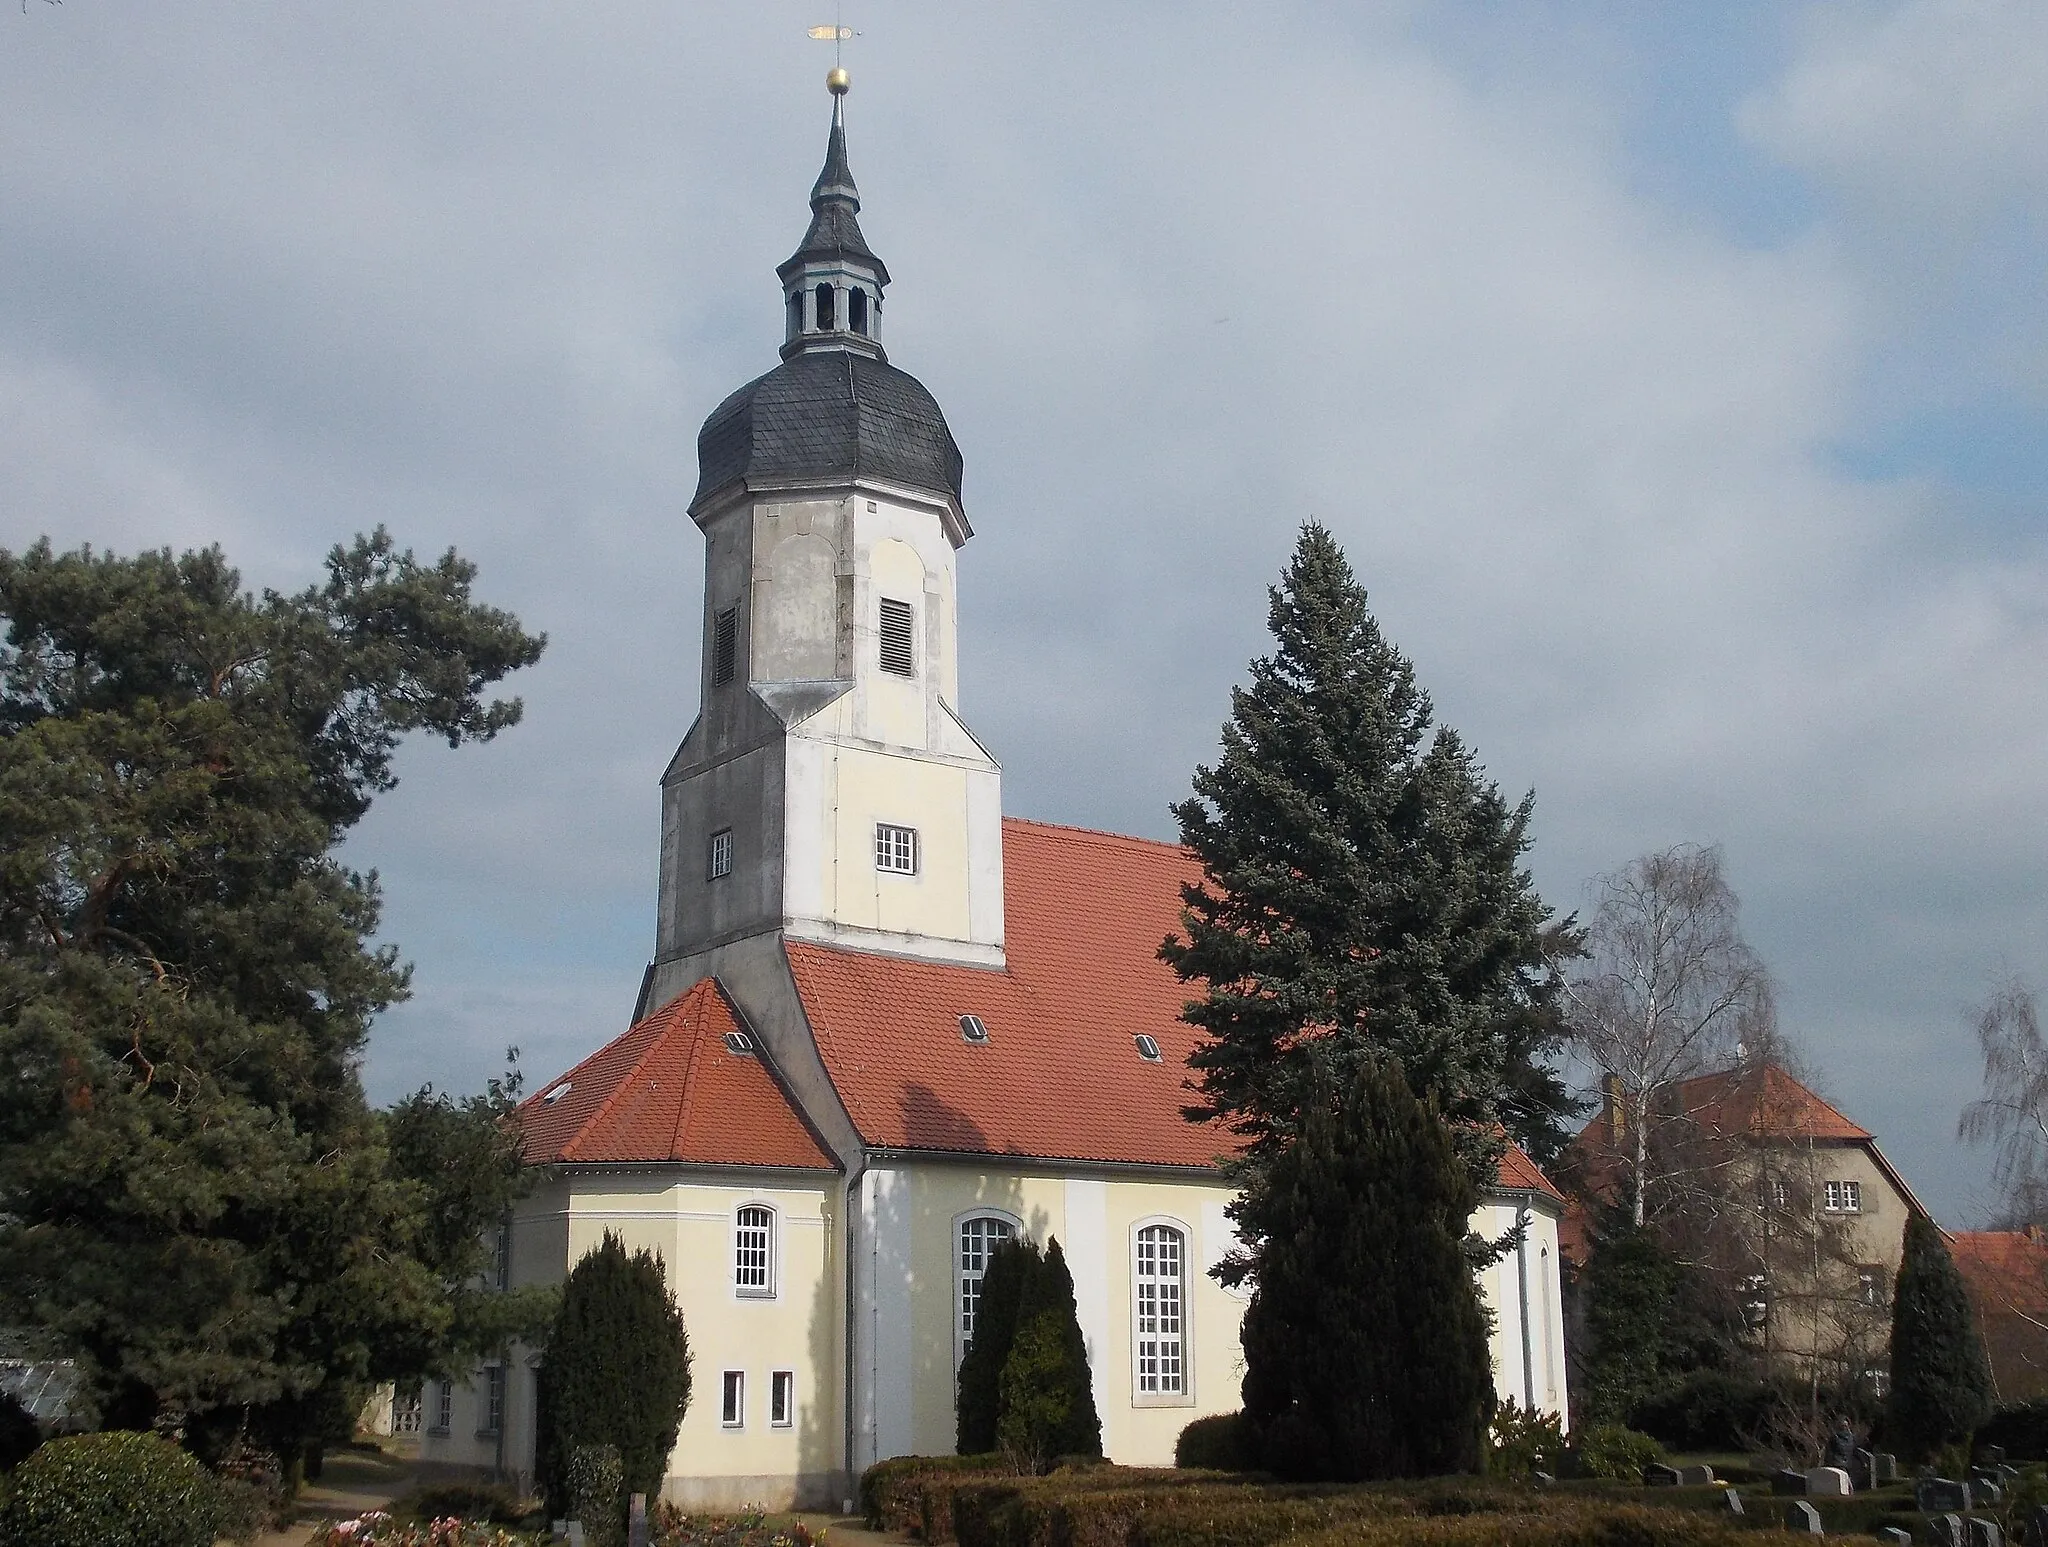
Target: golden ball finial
(838, 82)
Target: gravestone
(1802, 1519)
(574, 1535)
(1701, 1476)
(1863, 1471)
(1788, 1482)
(558, 1531)
(1940, 1496)
(1898, 1536)
(1658, 1475)
(1884, 1468)
(1543, 1479)
(1985, 1491)
(1991, 1455)
(1946, 1531)
(636, 1521)
(1983, 1533)
(2036, 1534)
(1734, 1505)
(1828, 1482)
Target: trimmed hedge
(1218, 1443)
(1556, 1524)
(2022, 1429)
(892, 1491)
(90, 1490)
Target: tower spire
(832, 284)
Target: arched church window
(857, 310)
(826, 319)
(979, 1237)
(1158, 1285)
(753, 1268)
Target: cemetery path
(849, 1531)
(352, 1481)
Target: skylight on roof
(972, 1030)
(549, 1098)
(1148, 1048)
(739, 1042)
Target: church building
(886, 1026)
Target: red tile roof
(670, 1089)
(2006, 1271)
(1060, 1076)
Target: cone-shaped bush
(1047, 1402)
(1941, 1385)
(978, 1398)
(1365, 1343)
(616, 1372)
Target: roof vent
(739, 1042)
(549, 1098)
(972, 1030)
(1148, 1048)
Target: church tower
(829, 789)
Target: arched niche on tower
(795, 611)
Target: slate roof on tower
(671, 1089)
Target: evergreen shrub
(1712, 1410)
(489, 1502)
(19, 1432)
(1010, 1269)
(1522, 1443)
(616, 1372)
(2020, 1429)
(1609, 1450)
(97, 1490)
(1941, 1385)
(1046, 1404)
(597, 1494)
(1218, 1443)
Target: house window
(782, 1398)
(444, 1406)
(899, 623)
(1844, 1197)
(978, 1238)
(1756, 1301)
(725, 647)
(895, 849)
(719, 862)
(732, 1407)
(500, 1271)
(1870, 1285)
(494, 1399)
(753, 1265)
(1780, 1193)
(1156, 1275)
(1879, 1379)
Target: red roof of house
(671, 1089)
(2004, 1270)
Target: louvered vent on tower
(725, 647)
(898, 622)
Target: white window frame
(961, 1272)
(770, 1246)
(1843, 1197)
(732, 1399)
(1180, 1344)
(893, 855)
(492, 1406)
(781, 1399)
(444, 1407)
(718, 855)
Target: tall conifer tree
(1365, 1343)
(1941, 1384)
(616, 1372)
(1363, 889)
(1047, 1399)
(1011, 1266)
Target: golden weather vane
(837, 33)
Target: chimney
(1610, 1096)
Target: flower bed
(378, 1529)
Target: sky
(1676, 378)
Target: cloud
(1180, 279)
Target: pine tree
(616, 1371)
(1011, 1266)
(1630, 1290)
(1365, 1342)
(1941, 1385)
(1363, 891)
(1047, 1401)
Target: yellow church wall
(870, 787)
(898, 708)
(798, 1328)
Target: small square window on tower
(719, 861)
(896, 849)
(899, 625)
(725, 646)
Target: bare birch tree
(2012, 1114)
(1668, 989)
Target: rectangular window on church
(782, 1398)
(899, 624)
(725, 646)
(896, 849)
(720, 862)
(732, 1410)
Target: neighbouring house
(1786, 1206)
(887, 1027)
(2006, 1273)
